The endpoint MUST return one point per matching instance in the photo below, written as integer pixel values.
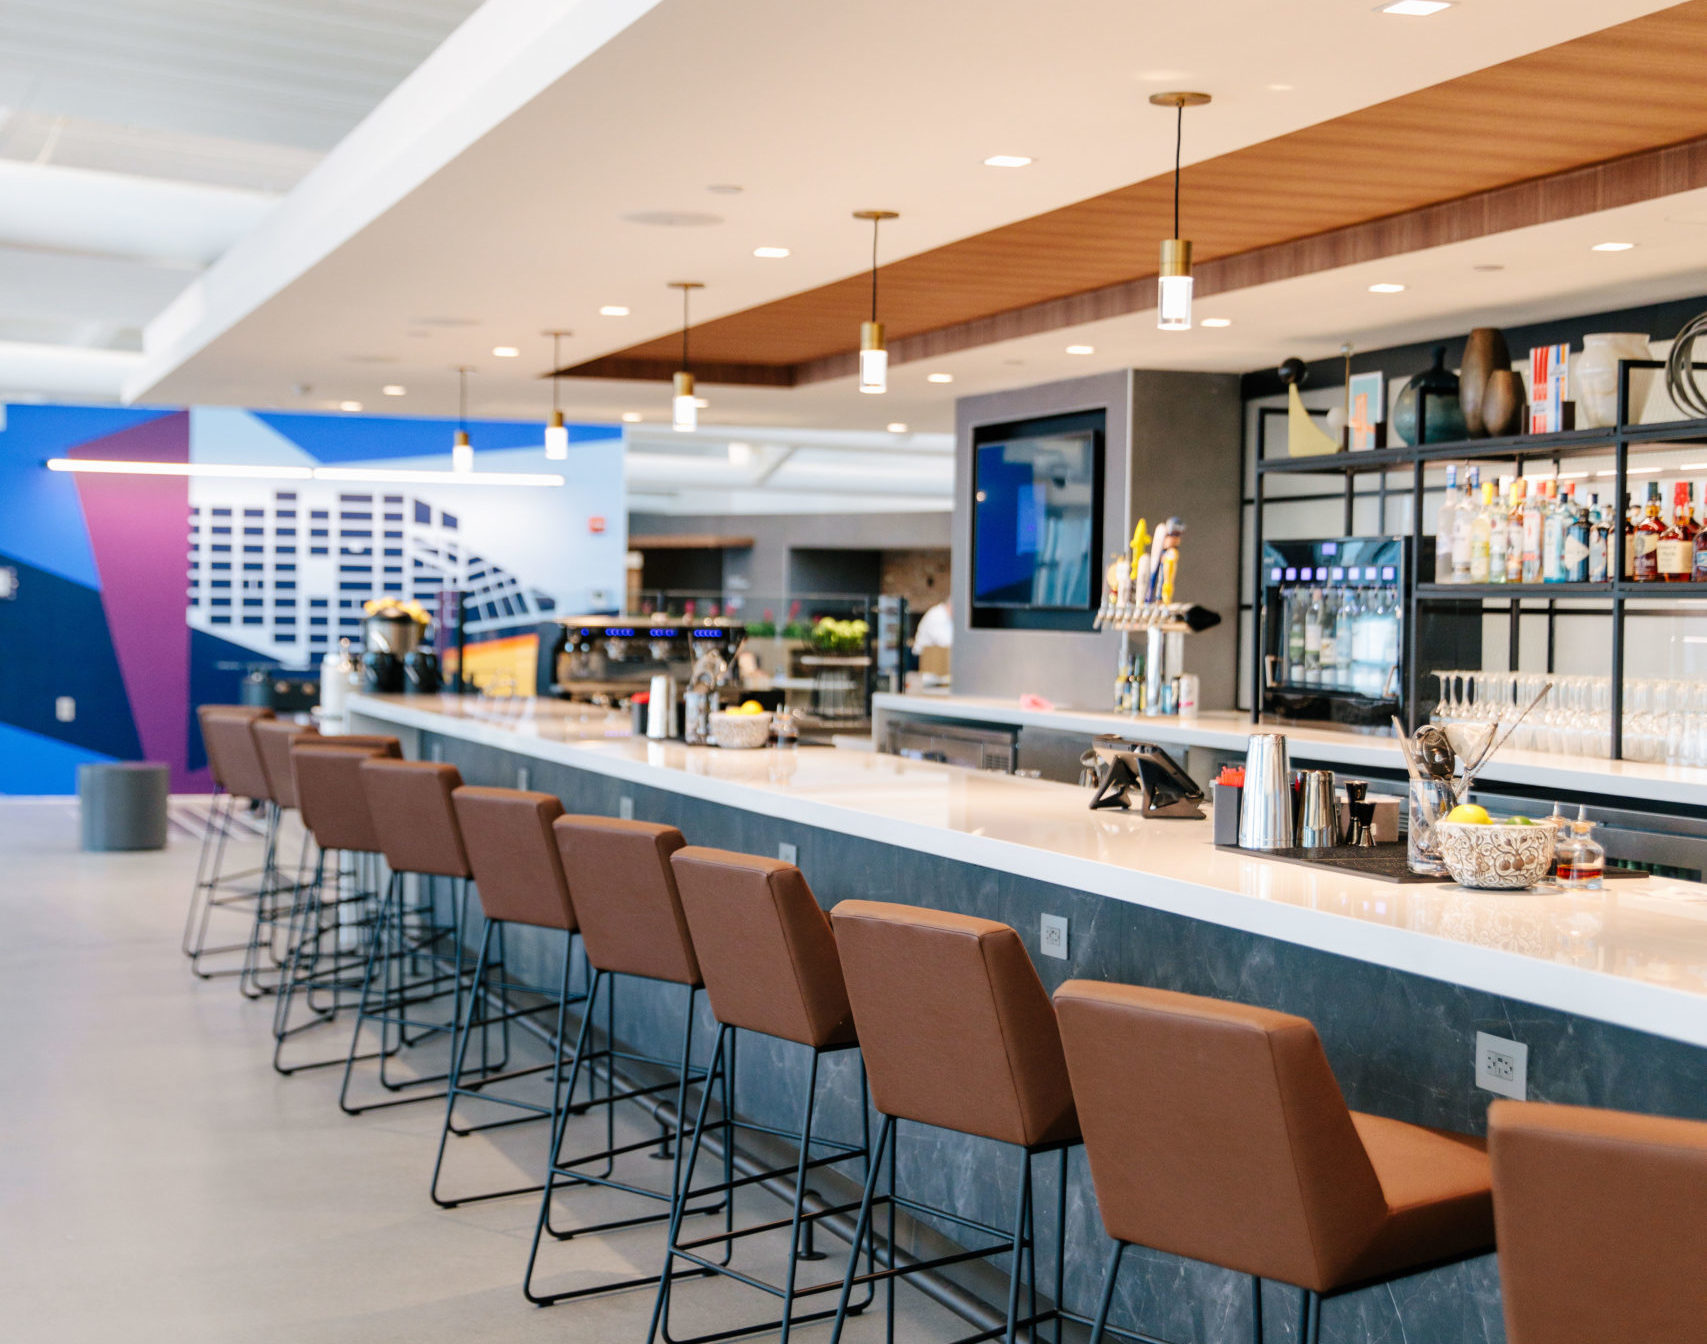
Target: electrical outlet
(788, 853)
(625, 807)
(1055, 936)
(1502, 1066)
(65, 709)
(436, 752)
(522, 777)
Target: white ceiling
(492, 186)
(140, 138)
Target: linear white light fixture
(1006, 161)
(245, 471)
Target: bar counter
(1607, 989)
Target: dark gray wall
(764, 570)
(1172, 448)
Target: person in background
(932, 642)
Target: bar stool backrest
(1217, 1131)
(273, 740)
(954, 1024)
(511, 852)
(625, 896)
(410, 803)
(231, 755)
(764, 946)
(1598, 1216)
(329, 790)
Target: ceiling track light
(1173, 284)
(556, 432)
(873, 357)
(461, 450)
(684, 406)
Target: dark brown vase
(1484, 353)
(1502, 403)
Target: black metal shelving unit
(1620, 439)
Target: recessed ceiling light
(770, 251)
(939, 377)
(1416, 8)
(1081, 349)
(1612, 247)
(1006, 161)
(673, 219)
(505, 352)
(1216, 322)
(1279, 88)
(349, 405)
(613, 310)
(896, 427)
(394, 389)
(631, 417)
(1386, 288)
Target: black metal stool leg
(861, 1226)
(1110, 1274)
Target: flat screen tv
(1037, 504)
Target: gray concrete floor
(159, 1182)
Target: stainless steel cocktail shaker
(1318, 821)
(1265, 810)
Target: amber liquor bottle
(1646, 566)
(1675, 550)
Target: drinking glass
(1431, 800)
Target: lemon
(751, 707)
(1470, 813)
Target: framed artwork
(1366, 411)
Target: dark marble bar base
(1402, 1045)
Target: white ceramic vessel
(1495, 857)
(1594, 375)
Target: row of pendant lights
(1173, 313)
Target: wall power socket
(1055, 936)
(1502, 1066)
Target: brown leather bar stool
(632, 925)
(414, 957)
(957, 1033)
(1216, 1131)
(768, 959)
(273, 738)
(1599, 1219)
(237, 777)
(518, 879)
(329, 930)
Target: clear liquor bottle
(1444, 521)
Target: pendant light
(873, 358)
(1173, 285)
(556, 433)
(684, 409)
(462, 452)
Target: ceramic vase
(1502, 403)
(1443, 417)
(1484, 353)
(1594, 377)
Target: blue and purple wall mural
(127, 600)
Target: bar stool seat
(1216, 1131)
(768, 958)
(273, 739)
(956, 1032)
(237, 777)
(1599, 1217)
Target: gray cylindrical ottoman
(123, 805)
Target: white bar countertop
(1633, 954)
(1228, 730)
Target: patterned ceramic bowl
(1495, 857)
(740, 731)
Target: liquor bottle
(1329, 651)
(1295, 636)
(1463, 524)
(1123, 685)
(1499, 532)
(1514, 534)
(1534, 509)
(1577, 544)
(1552, 535)
(1443, 529)
(1581, 858)
(1345, 635)
(1481, 536)
(1699, 546)
(1676, 546)
(1599, 533)
(1645, 568)
(1627, 529)
(1313, 638)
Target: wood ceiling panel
(1617, 92)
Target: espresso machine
(607, 658)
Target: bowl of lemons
(743, 728)
(1494, 855)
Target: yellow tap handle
(1140, 544)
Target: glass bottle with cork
(1676, 545)
(1645, 567)
(1581, 859)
